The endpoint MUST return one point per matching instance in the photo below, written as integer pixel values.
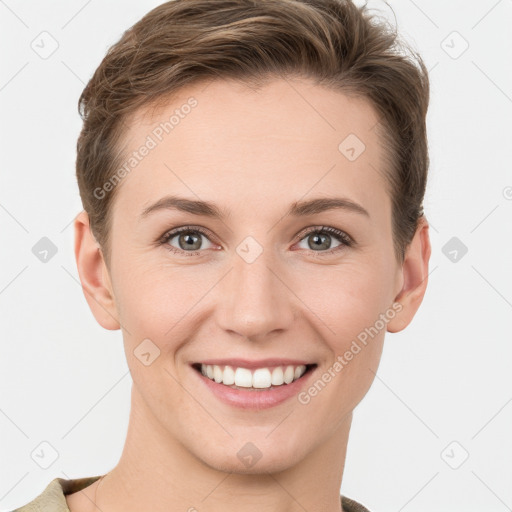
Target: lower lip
(253, 399)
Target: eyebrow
(297, 209)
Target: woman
(252, 176)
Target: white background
(446, 378)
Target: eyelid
(170, 233)
(345, 237)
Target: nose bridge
(256, 300)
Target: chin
(251, 457)
(261, 467)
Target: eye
(188, 239)
(322, 240)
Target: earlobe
(93, 274)
(414, 277)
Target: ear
(94, 274)
(414, 276)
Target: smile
(259, 378)
(257, 388)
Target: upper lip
(251, 364)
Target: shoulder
(350, 505)
(52, 499)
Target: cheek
(153, 299)
(350, 303)
(359, 311)
(162, 305)
(354, 339)
(346, 299)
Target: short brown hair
(332, 42)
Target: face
(266, 278)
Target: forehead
(222, 140)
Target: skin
(254, 154)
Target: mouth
(257, 378)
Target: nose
(254, 297)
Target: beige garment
(52, 498)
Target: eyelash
(346, 240)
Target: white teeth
(261, 378)
(243, 377)
(217, 374)
(289, 373)
(277, 376)
(229, 376)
